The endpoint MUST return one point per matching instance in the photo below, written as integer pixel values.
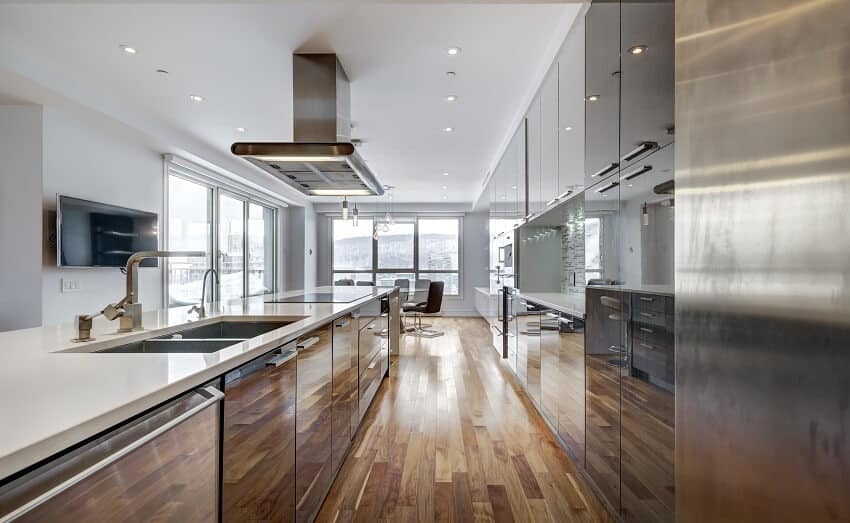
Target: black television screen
(91, 234)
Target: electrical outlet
(70, 285)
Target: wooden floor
(451, 437)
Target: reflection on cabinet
(162, 466)
(606, 359)
(571, 112)
(602, 91)
(313, 421)
(647, 80)
(259, 439)
(549, 139)
(373, 361)
(345, 401)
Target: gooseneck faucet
(129, 310)
(200, 309)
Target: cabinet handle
(635, 173)
(553, 201)
(605, 170)
(344, 323)
(648, 331)
(212, 396)
(564, 194)
(639, 150)
(617, 349)
(646, 299)
(372, 365)
(309, 342)
(647, 314)
(553, 315)
(280, 359)
(645, 346)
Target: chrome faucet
(129, 310)
(202, 313)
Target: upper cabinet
(533, 151)
(647, 80)
(549, 138)
(571, 112)
(602, 91)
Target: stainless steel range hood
(321, 161)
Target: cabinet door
(313, 422)
(549, 366)
(518, 181)
(549, 138)
(605, 359)
(532, 349)
(533, 150)
(647, 81)
(602, 91)
(344, 399)
(571, 391)
(571, 112)
(259, 408)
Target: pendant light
(644, 214)
(355, 214)
(344, 208)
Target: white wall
(90, 157)
(20, 216)
(300, 242)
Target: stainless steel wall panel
(763, 260)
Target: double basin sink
(211, 337)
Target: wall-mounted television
(92, 234)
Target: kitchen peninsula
(92, 411)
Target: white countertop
(571, 303)
(50, 400)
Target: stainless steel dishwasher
(162, 466)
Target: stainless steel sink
(202, 339)
(227, 329)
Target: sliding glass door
(238, 229)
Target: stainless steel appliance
(322, 160)
(161, 466)
(762, 288)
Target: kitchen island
(57, 395)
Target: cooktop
(337, 296)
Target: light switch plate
(70, 285)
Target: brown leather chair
(432, 306)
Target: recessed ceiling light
(445, 187)
(445, 197)
(638, 49)
(445, 174)
(568, 128)
(127, 49)
(592, 97)
(240, 129)
(448, 129)
(196, 98)
(453, 51)
(451, 98)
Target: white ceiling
(239, 58)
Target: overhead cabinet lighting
(644, 147)
(607, 188)
(605, 170)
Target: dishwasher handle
(212, 396)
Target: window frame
(216, 187)
(415, 270)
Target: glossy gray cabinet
(549, 139)
(534, 133)
(313, 454)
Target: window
(411, 249)
(189, 228)
(592, 248)
(243, 237)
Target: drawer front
(370, 344)
(654, 320)
(653, 334)
(368, 312)
(649, 302)
(370, 380)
